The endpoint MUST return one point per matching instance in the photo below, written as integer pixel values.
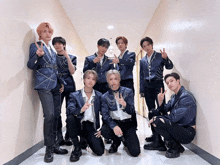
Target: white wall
(190, 32)
(21, 118)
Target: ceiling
(91, 18)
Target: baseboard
(203, 154)
(23, 156)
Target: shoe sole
(172, 155)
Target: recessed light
(110, 27)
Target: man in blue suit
(117, 111)
(151, 79)
(42, 59)
(83, 112)
(101, 64)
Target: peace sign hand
(64, 52)
(121, 100)
(164, 54)
(40, 51)
(97, 59)
(160, 96)
(115, 60)
(86, 106)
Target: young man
(83, 111)
(117, 111)
(179, 126)
(151, 76)
(42, 59)
(125, 62)
(66, 67)
(101, 64)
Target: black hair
(59, 39)
(148, 39)
(173, 74)
(103, 42)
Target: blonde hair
(91, 72)
(41, 27)
(113, 71)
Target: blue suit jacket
(64, 73)
(100, 69)
(45, 67)
(76, 102)
(109, 104)
(126, 64)
(182, 108)
(154, 69)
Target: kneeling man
(83, 111)
(117, 111)
(179, 125)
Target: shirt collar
(84, 94)
(150, 55)
(123, 53)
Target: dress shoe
(113, 148)
(151, 138)
(175, 148)
(155, 145)
(75, 155)
(48, 157)
(60, 151)
(68, 142)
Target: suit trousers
(50, 100)
(86, 130)
(129, 134)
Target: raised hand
(117, 130)
(65, 54)
(40, 51)
(164, 54)
(160, 96)
(121, 100)
(97, 59)
(115, 60)
(86, 106)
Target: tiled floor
(121, 157)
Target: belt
(48, 66)
(124, 121)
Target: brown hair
(42, 26)
(91, 72)
(125, 40)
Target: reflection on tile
(121, 157)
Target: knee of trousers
(99, 152)
(159, 123)
(135, 151)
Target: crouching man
(83, 116)
(117, 111)
(179, 125)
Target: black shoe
(113, 148)
(62, 142)
(48, 157)
(60, 151)
(75, 155)
(155, 145)
(151, 138)
(175, 148)
(68, 142)
(108, 141)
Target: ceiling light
(110, 27)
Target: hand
(151, 121)
(65, 53)
(98, 134)
(115, 60)
(160, 96)
(164, 54)
(86, 106)
(117, 130)
(40, 51)
(62, 88)
(97, 59)
(121, 100)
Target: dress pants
(86, 130)
(50, 100)
(129, 134)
